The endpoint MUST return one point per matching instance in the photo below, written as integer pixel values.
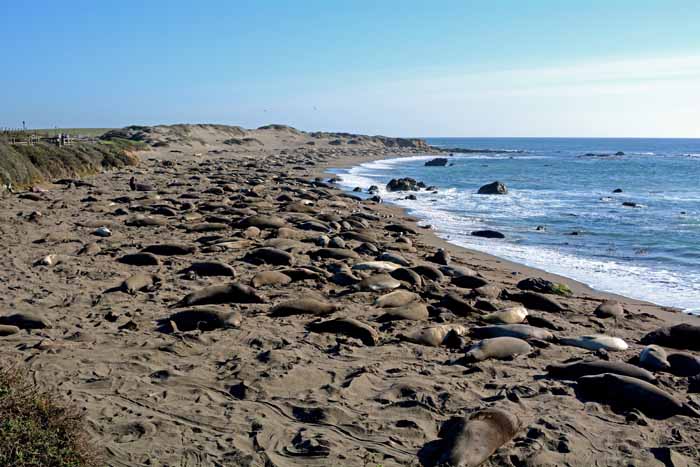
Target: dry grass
(36, 429)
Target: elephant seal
(469, 442)
(169, 249)
(396, 298)
(140, 259)
(202, 319)
(217, 294)
(264, 278)
(414, 311)
(684, 364)
(138, 282)
(429, 272)
(595, 342)
(513, 315)
(268, 255)
(654, 358)
(632, 393)
(537, 301)
(458, 305)
(583, 368)
(333, 253)
(434, 336)
(303, 306)
(468, 281)
(209, 269)
(407, 275)
(521, 331)
(25, 320)
(349, 327)
(610, 309)
(500, 348)
(381, 266)
(8, 330)
(379, 282)
(684, 336)
(262, 222)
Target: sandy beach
(230, 308)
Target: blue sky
(409, 68)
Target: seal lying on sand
(579, 369)
(500, 348)
(230, 293)
(349, 327)
(468, 442)
(681, 336)
(632, 393)
(595, 342)
(654, 358)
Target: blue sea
(565, 185)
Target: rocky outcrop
(495, 188)
(402, 184)
(437, 162)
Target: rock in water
(402, 184)
(632, 393)
(469, 442)
(349, 327)
(230, 293)
(495, 188)
(487, 234)
(437, 162)
(579, 369)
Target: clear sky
(403, 68)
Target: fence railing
(19, 136)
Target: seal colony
(245, 311)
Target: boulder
(437, 162)
(402, 184)
(495, 188)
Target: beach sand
(275, 388)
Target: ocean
(565, 187)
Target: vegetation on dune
(23, 164)
(90, 132)
(38, 430)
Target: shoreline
(502, 265)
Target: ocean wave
(456, 212)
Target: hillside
(235, 138)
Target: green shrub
(38, 430)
